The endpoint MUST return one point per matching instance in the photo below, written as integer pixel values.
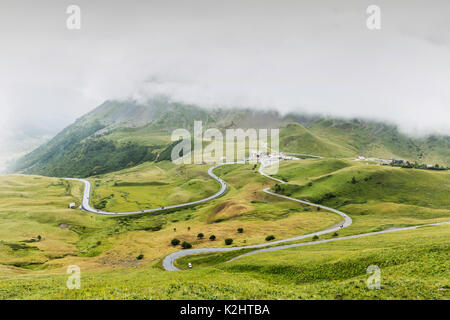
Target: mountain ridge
(121, 134)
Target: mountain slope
(375, 139)
(296, 138)
(122, 134)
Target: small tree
(270, 238)
(175, 242)
(200, 236)
(186, 245)
(228, 241)
(335, 234)
(240, 230)
(316, 238)
(354, 180)
(39, 237)
(212, 237)
(140, 257)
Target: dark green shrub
(175, 242)
(315, 238)
(140, 257)
(200, 236)
(212, 237)
(186, 245)
(240, 230)
(270, 238)
(228, 241)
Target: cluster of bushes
(186, 245)
(416, 165)
(103, 202)
(287, 189)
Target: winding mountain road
(86, 206)
(169, 261)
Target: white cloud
(285, 55)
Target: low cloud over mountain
(314, 57)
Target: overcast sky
(313, 56)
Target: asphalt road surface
(85, 205)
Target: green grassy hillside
(302, 171)
(375, 139)
(296, 138)
(376, 197)
(362, 183)
(413, 266)
(40, 236)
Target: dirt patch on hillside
(227, 210)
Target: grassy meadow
(414, 265)
(152, 185)
(120, 257)
(39, 233)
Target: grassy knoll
(302, 171)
